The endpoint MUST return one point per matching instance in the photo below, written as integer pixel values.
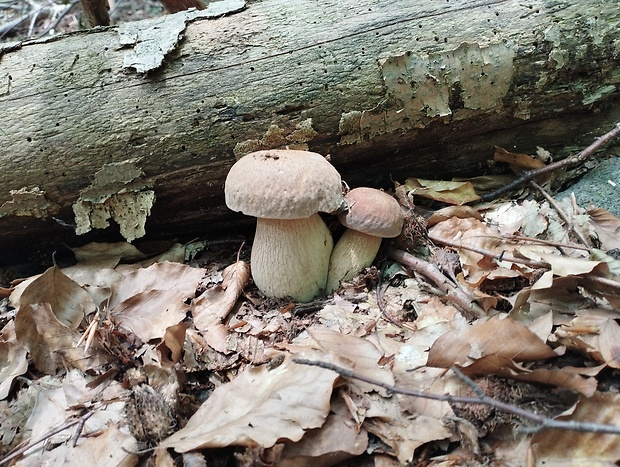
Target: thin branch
(569, 224)
(430, 271)
(519, 239)
(530, 262)
(568, 162)
(489, 254)
(28, 444)
(543, 422)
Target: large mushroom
(285, 190)
(371, 216)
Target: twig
(568, 162)
(430, 271)
(28, 444)
(489, 254)
(519, 239)
(543, 422)
(570, 225)
(530, 262)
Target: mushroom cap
(283, 184)
(372, 212)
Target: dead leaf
(607, 227)
(448, 192)
(215, 303)
(149, 300)
(518, 162)
(360, 355)
(68, 301)
(120, 250)
(462, 212)
(13, 359)
(561, 448)
(171, 346)
(259, 407)
(336, 441)
(52, 344)
(502, 366)
(502, 337)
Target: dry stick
(489, 254)
(568, 162)
(78, 421)
(528, 262)
(571, 226)
(520, 238)
(544, 422)
(453, 293)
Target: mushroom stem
(353, 252)
(290, 257)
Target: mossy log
(141, 123)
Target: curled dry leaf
(560, 448)
(448, 192)
(607, 227)
(215, 303)
(52, 344)
(568, 378)
(171, 346)
(497, 335)
(149, 300)
(361, 355)
(13, 359)
(69, 302)
(336, 441)
(259, 407)
(120, 250)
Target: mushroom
(285, 190)
(371, 216)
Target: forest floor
(486, 334)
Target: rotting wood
(388, 88)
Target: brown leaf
(518, 162)
(607, 227)
(495, 336)
(171, 346)
(13, 359)
(148, 314)
(120, 250)
(259, 407)
(215, 303)
(52, 344)
(448, 192)
(69, 302)
(507, 368)
(560, 448)
(336, 441)
(609, 343)
(149, 300)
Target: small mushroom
(285, 190)
(371, 216)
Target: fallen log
(138, 124)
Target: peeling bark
(386, 87)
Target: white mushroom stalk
(371, 216)
(295, 252)
(285, 190)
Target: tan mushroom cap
(372, 212)
(283, 184)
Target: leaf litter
(177, 358)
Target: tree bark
(142, 122)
